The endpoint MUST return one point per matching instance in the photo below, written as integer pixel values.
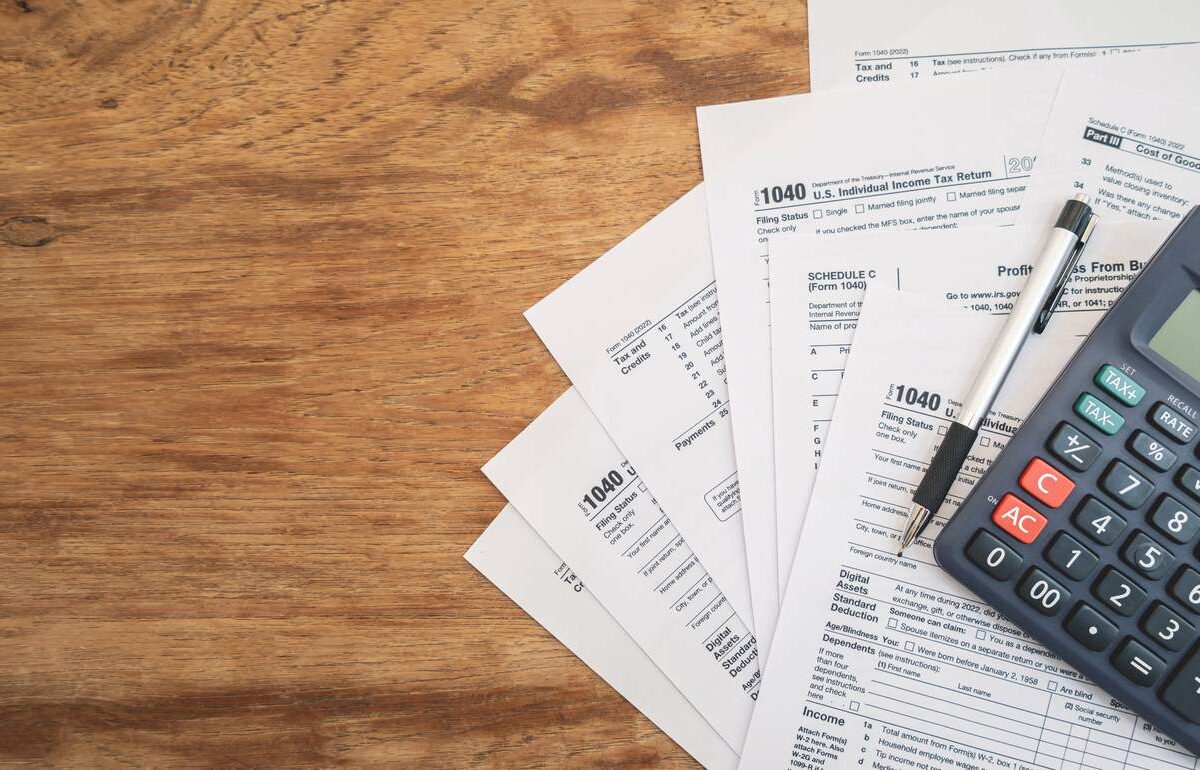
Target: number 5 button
(1046, 483)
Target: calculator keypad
(1131, 533)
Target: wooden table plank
(262, 269)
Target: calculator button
(1182, 693)
(1148, 557)
(1168, 629)
(1018, 519)
(1120, 385)
(1041, 592)
(1186, 588)
(1098, 521)
(1138, 664)
(1074, 447)
(1152, 451)
(1189, 480)
(1047, 484)
(992, 556)
(1099, 414)
(1070, 557)
(1121, 594)
(1090, 628)
(1127, 486)
(1172, 423)
(1171, 518)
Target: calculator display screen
(1178, 340)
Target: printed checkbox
(985, 441)
(817, 213)
(941, 430)
(1052, 686)
(854, 705)
(951, 196)
(909, 646)
(981, 634)
(859, 208)
(892, 623)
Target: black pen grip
(951, 455)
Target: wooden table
(262, 269)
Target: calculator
(1084, 532)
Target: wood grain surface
(262, 269)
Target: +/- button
(1120, 385)
(1074, 447)
(1099, 414)
(1048, 484)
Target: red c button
(1046, 483)
(1018, 519)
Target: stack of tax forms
(709, 517)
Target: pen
(1031, 313)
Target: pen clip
(1060, 283)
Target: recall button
(1172, 423)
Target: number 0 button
(992, 556)
(1041, 592)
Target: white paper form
(864, 41)
(571, 482)
(512, 555)
(928, 154)
(891, 662)
(637, 331)
(817, 287)
(1127, 137)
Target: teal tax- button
(1099, 413)
(1120, 385)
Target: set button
(1120, 385)
(1172, 423)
